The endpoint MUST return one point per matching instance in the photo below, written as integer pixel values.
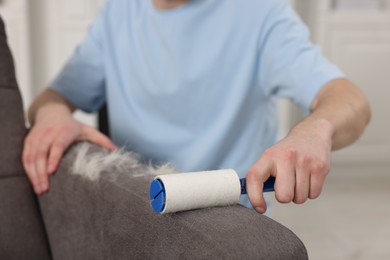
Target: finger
(302, 182)
(36, 178)
(26, 157)
(42, 163)
(41, 172)
(94, 136)
(255, 178)
(56, 152)
(316, 184)
(28, 166)
(285, 177)
(61, 142)
(42, 153)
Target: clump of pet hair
(92, 164)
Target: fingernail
(259, 209)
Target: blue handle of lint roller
(268, 185)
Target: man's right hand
(53, 132)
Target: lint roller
(196, 190)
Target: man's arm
(301, 161)
(49, 97)
(345, 107)
(53, 131)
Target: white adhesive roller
(196, 190)
(186, 191)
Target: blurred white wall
(358, 4)
(57, 27)
(42, 35)
(16, 16)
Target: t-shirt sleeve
(81, 80)
(290, 65)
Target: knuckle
(251, 175)
(304, 160)
(66, 131)
(268, 154)
(290, 154)
(48, 130)
(41, 158)
(43, 147)
(59, 145)
(27, 158)
(319, 167)
(41, 177)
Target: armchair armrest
(111, 218)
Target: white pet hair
(92, 165)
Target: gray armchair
(111, 218)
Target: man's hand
(53, 132)
(300, 163)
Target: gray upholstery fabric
(21, 229)
(112, 219)
(22, 235)
(11, 113)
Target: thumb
(255, 178)
(96, 137)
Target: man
(193, 82)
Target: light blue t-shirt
(195, 85)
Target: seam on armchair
(9, 86)
(13, 175)
(39, 211)
(24, 193)
(44, 226)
